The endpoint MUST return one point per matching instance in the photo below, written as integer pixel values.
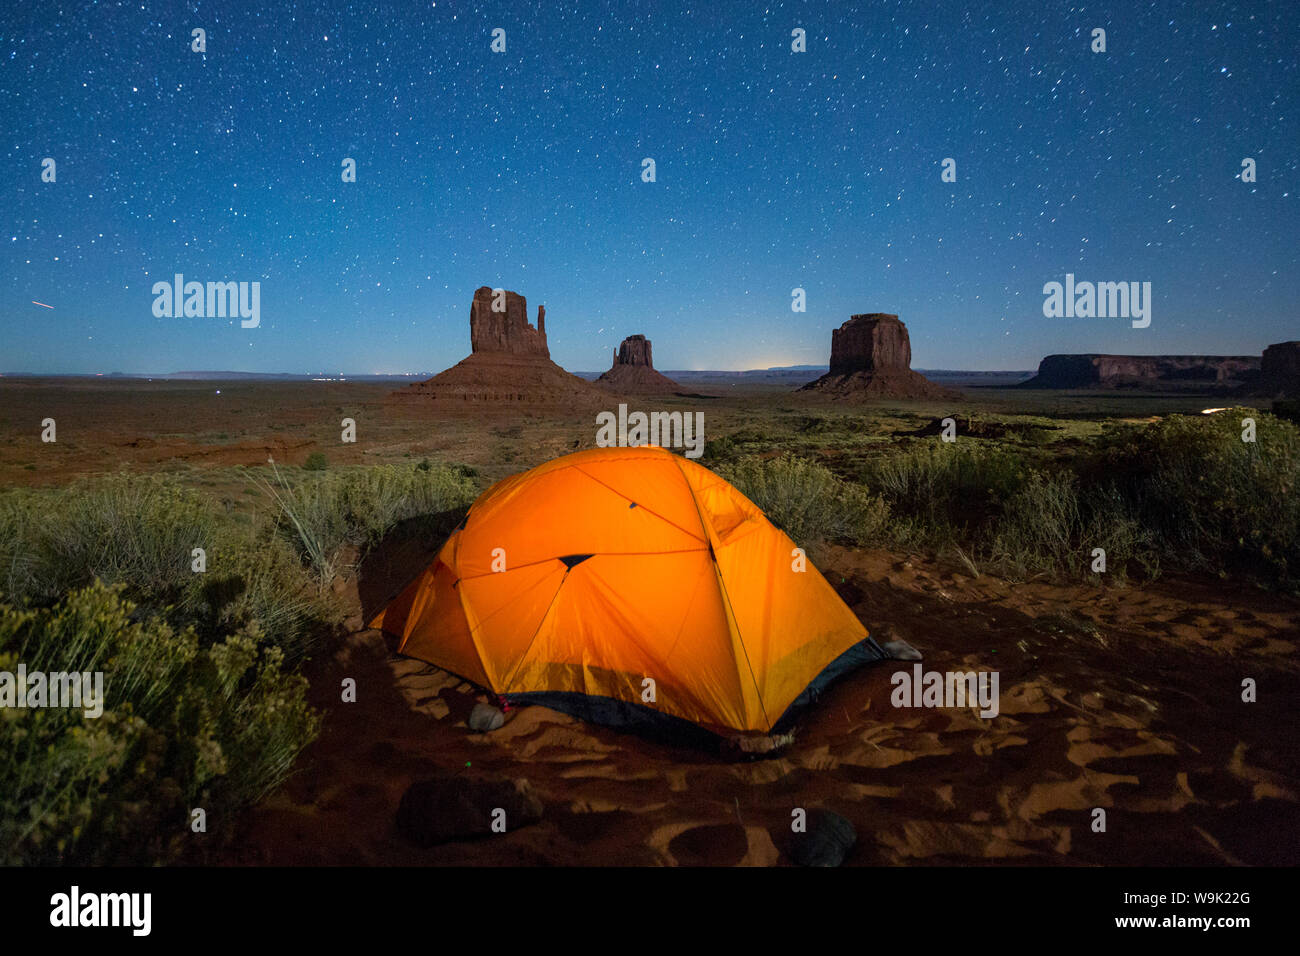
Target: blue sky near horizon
(775, 170)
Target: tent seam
(726, 597)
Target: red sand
(1126, 699)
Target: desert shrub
(1051, 526)
(322, 515)
(721, 449)
(315, 462)
(743, 441)
(809, 503)
(18, 563)
(1040, 526)
(1112, 524)
(1212, 501)
(1184, 492)
(139, 532)
(255, 577)
(183, 726)
(1035, 434)
(949, 491)
(1288, 409)
(123, 529)
(817, 425)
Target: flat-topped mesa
(1279, 371)
(634, 371)
(1185, 372)
(871, 357)
(498, 322)
(870, 342)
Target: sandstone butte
(633, 370)
(509, 361)
(871, 357)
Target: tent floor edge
(866, 651)
(623, 716)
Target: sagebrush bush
(1212, 501)
(1184, 492)
(1051, 526)
(256, 577)
(951, 491)
(140, 532)
(1040, 527)
(324, 514)
(202, 709)
(183, 726)
(809, 503)
(128, 529)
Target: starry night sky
(775, 170)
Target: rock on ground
(455, 807)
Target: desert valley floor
(1111, 696)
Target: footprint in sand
(716, 844)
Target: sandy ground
(205, 427)
(1123, 699)
(1128, 699)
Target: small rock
(446, 808)
(485, 717)
(827, 842)
(901, 651)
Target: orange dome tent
(571, 584)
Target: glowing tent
(626, 586)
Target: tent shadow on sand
(400, 555)
(391, 564)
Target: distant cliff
(1145, 371)
(1280, 371)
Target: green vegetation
(1213, 501)
(323, 516)
(119, 529)
(1183, 492)
(204, 705)
(185, 724)
(140, 532)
